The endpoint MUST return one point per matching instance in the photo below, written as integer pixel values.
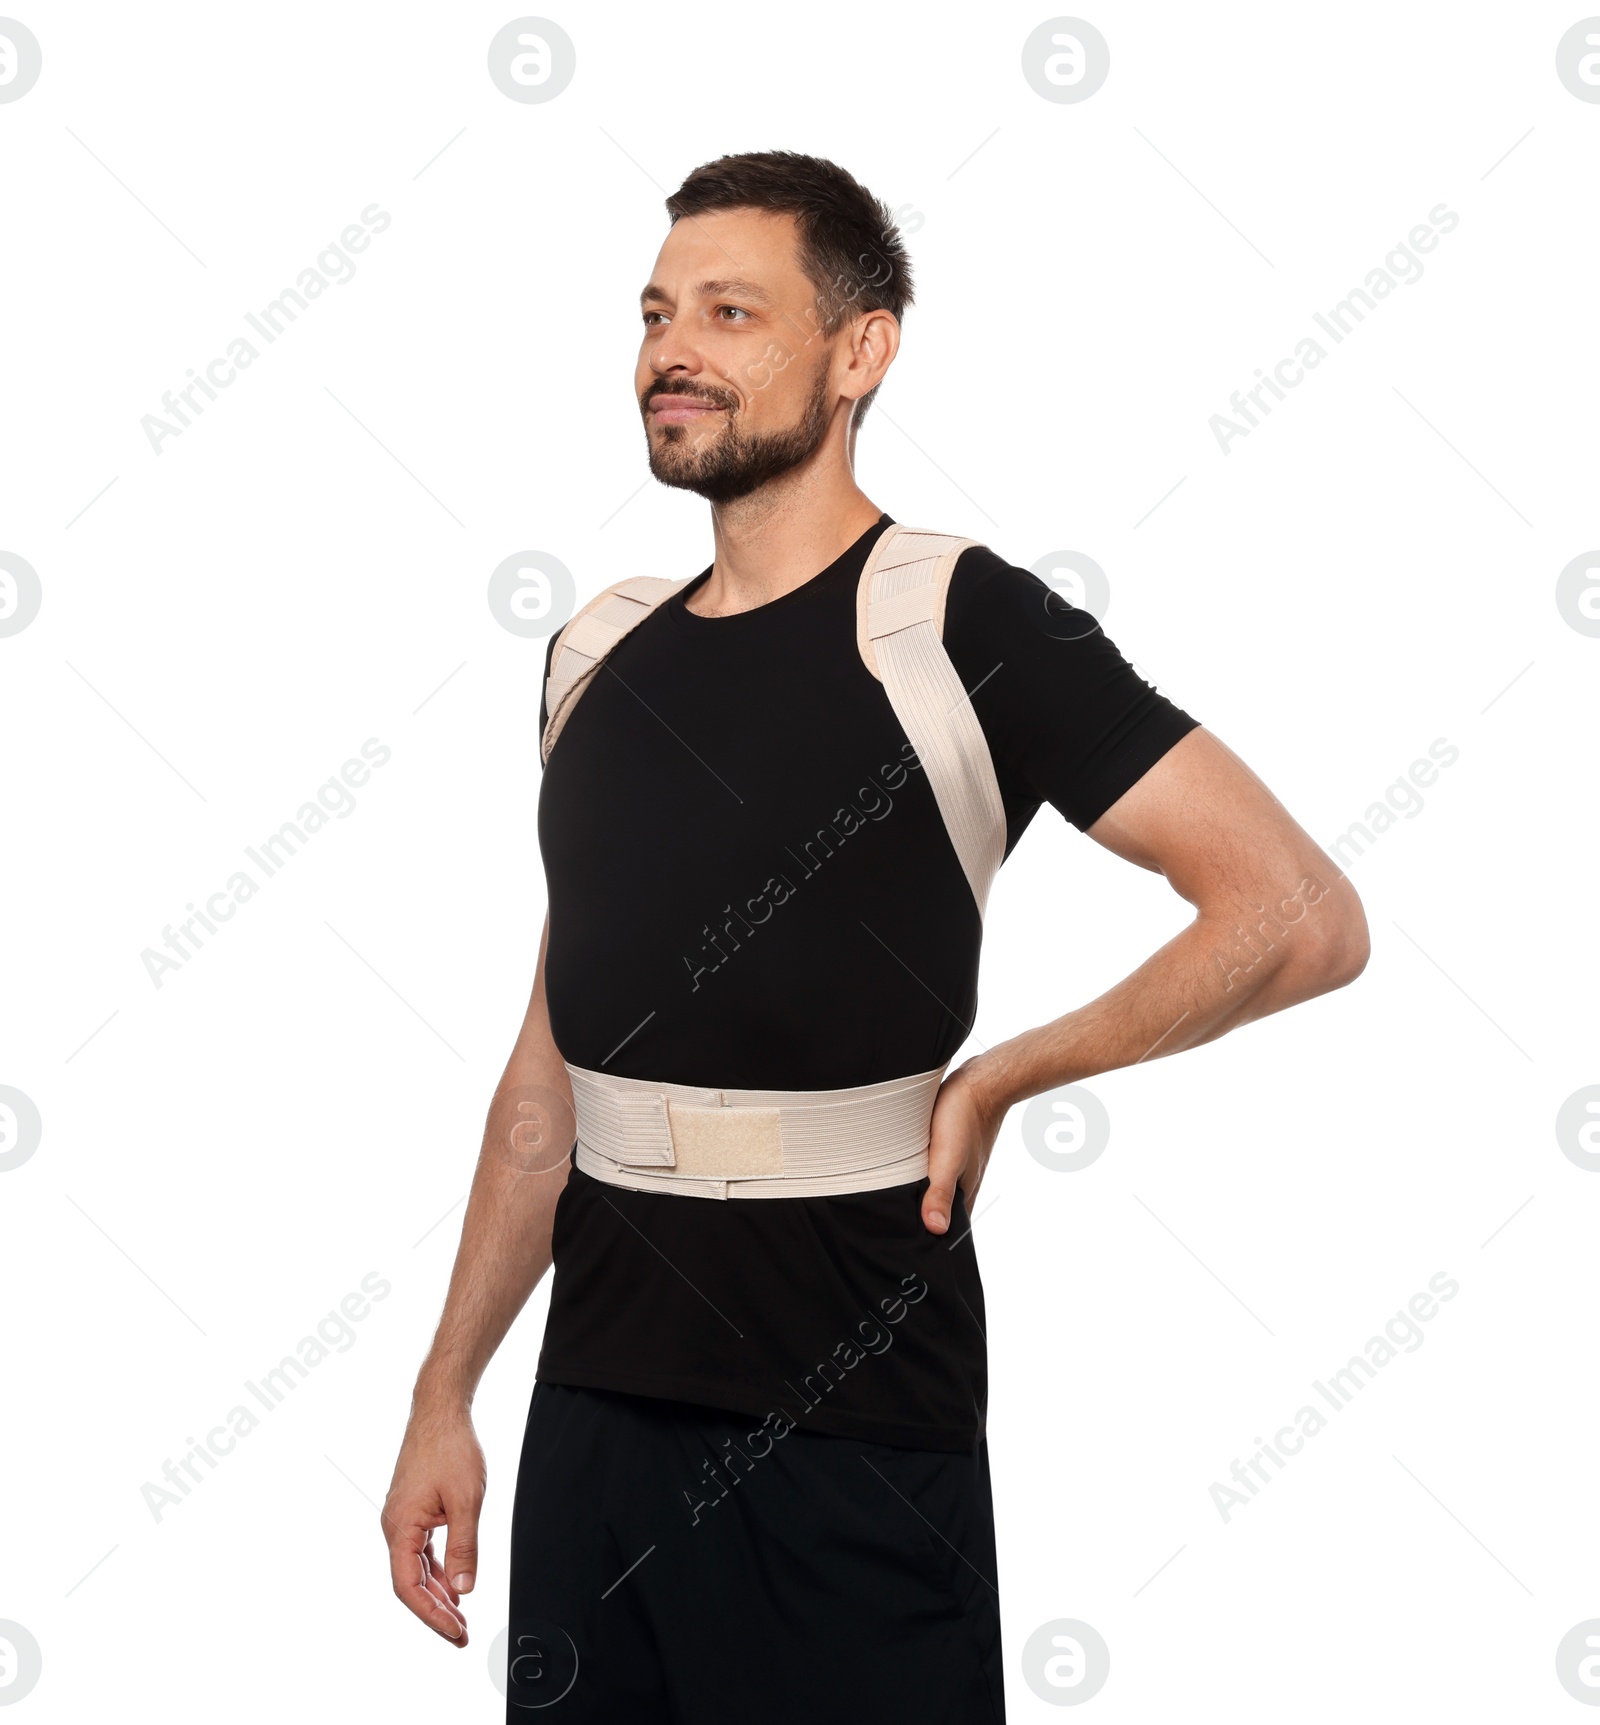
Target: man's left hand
(966, 1122)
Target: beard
(735, 462)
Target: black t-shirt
(751, 886)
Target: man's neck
(779, 537)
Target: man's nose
(672, 350)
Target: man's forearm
(504, 1250)
(439, 1476)
(505, 1236)
(1219, 973)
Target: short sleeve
(1068, 720)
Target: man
(754, 1481)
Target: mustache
(665, 391)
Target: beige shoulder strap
(588, 636)
(899, 632)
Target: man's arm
(504, 1250)
(1276, 923)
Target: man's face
(733, 375)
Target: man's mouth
(680, 409)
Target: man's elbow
(1340, 945)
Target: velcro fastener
(726, 1143)
(899, 611)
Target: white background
(225, 1157)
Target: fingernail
(463, 1582)
(936, 1219)
(454, 1631)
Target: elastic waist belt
(752, 1143)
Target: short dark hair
(850, 247)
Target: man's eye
(651, 316)
(732, 312)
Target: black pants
(675, 1565)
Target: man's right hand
(438, 1482)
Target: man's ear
(874, 341)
